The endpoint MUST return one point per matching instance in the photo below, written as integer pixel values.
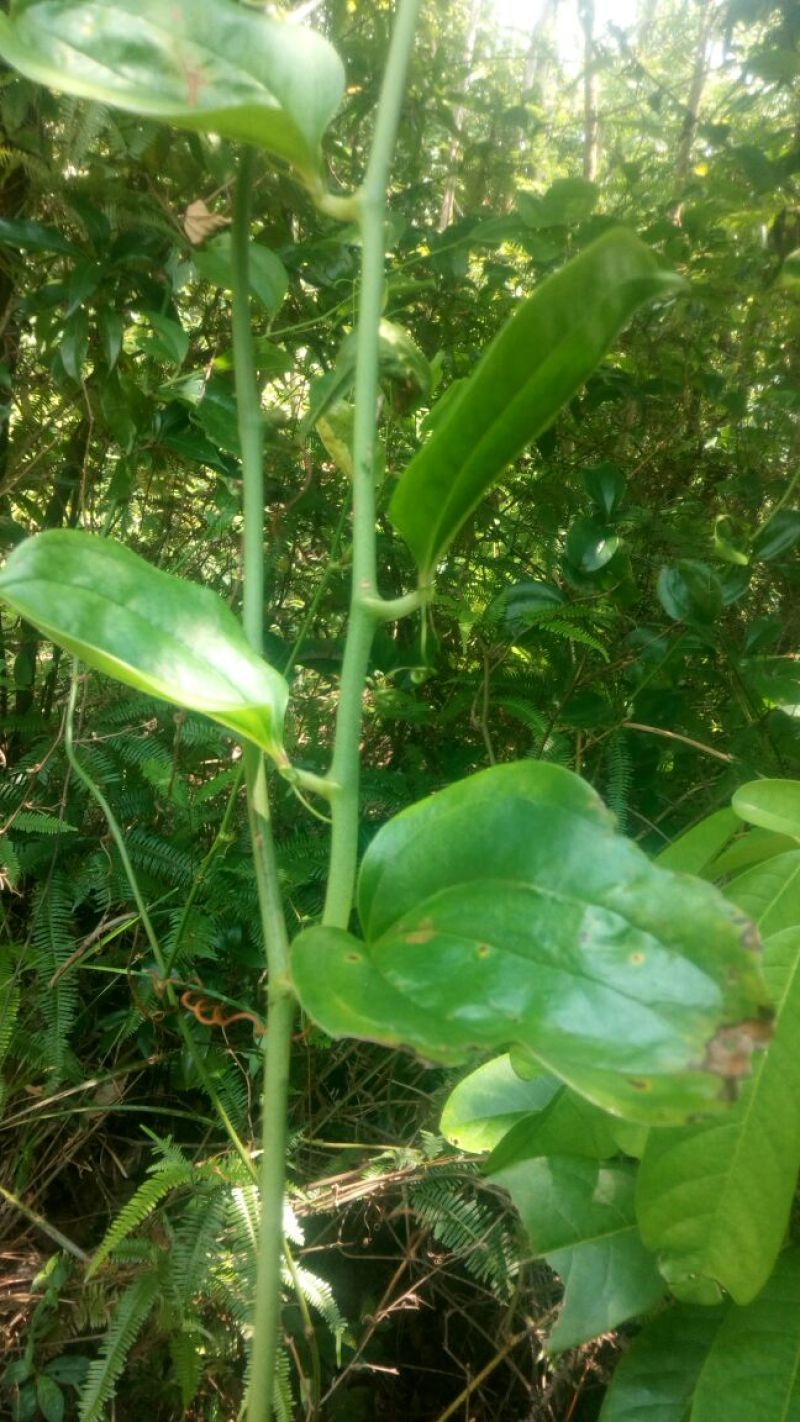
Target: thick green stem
(280, 999)
(363, 615)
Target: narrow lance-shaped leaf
(506, 911)
(223, 68)
(148, 629)
(539, 359)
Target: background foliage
(624, 604)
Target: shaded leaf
(579, 1216)
(223, 68)
(539, 359)
(166, 637)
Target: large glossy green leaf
(507, 910)
(223, 68)
(164, 636)
(770, 804)
(752, 1372)
(488, 1102)
(539, 359)
(713, 1200)
(655, 1379)
(579, 1215)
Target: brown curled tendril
(213, 1014)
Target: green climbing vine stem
(365, 606)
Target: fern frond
(36, 822)
(54, 940)
(619, 776)
(470, 1228)
(187, 1360)
(165, 1175)
(129, 1318)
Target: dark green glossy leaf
(223, 68)
(781, 534)
(656, 1377)
(605, 484)
(539, 359)
(34, 237)
(166, 637)
(751, 1372)
(268, 278)
(691, 592)
(580, 1217)
(713, 1200)
(506, 910)
(521, 605)
(770, 804)
(74, 346)
(591, 545)
(489, 1102)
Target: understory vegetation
(587, 591)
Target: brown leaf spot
(423, 934)
(729, 1053)
(636, 959)
(637, 1084)
(352, 957)
(483, 950)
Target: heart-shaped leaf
(222, 68)
(579, 1216)
(506, 910)
(148, 629)
(539, 359)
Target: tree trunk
(591, 122)
(689, 126)
(449, 198)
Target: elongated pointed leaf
(166, 637)
(222, 67)
(770, 804)
(769, 893)
(714, 1199)
(692, 851)
(656, 1378)
(506, 910)
(488, 1102)
(751, 1373)
(539, 359)
(579, 1216)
